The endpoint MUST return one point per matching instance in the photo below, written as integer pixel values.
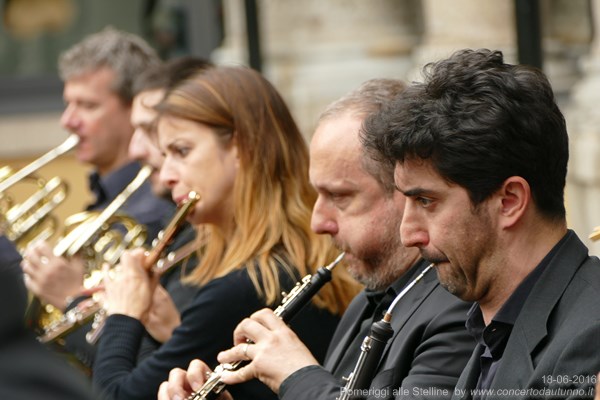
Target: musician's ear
(515, 198)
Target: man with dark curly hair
(480, 150)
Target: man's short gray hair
(367, 99)
(126, 54)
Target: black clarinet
(291, 304)
(372, 348)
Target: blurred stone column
(459, 24)
(583, 121)
(234, 48)
(566, 34)
(315, 51)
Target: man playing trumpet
(98, 74)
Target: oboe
(373, 345)
(291, 304)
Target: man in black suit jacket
(358, 206)
(481, 152)
(27, 369)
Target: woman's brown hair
(273, 198)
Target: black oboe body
(290, 306)
(372, 348)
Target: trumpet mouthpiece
(193, 196)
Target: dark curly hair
(479, 121)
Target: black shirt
(378, 305)
(494, 336)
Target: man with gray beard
(359, 207)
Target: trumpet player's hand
(163, 317)
(53, 279)
(182, 384)
(129, 287)
(276, 351)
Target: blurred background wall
(313, 51)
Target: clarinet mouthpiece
(336, 261)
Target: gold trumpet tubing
(165, 236)
(61, 149)
(109, 242)
(595, 235)
(165, 263)
(154, 256)
(5, 201)
(77, 239)
(42, 198)
(5, 172)
(92, 309)
(44, 229)
(73, 245)
(25, 216)
(112, 244)
(88, 309)
(67, 241)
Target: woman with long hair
(227, 135)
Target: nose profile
(168, 176)
(412, 230)
(322, 220)
(69, 120)
(138, 149)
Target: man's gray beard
(385, 264)
(384, 269)
(382, 277)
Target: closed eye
(339, 199)
(424, 201)
(179, 150)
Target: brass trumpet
(79, 241)
(92, 308)
(153, 261)
(32, 219)
(61, 149)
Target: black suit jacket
(554, 347)
(27, 369)
(423, 359)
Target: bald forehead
(335, 154)
(337, 133)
